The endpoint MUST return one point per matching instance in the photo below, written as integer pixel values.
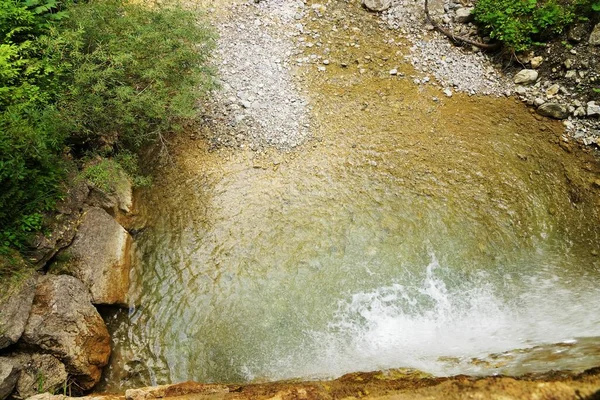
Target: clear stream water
(452, 237)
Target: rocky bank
(52, 337)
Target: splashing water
(450, 330)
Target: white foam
(425, 325)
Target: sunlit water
(312, 270)
(453, 237)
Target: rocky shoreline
(261, 104)
(52, 337)
(560, 77)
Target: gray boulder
(595, 36)
(464, 15)
(377, 5)
(526, 77)
(15, 304)
(553, 110)
(8, 377)
(39, 373)
(99, 257)
(63, 322)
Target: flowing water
(454, 236)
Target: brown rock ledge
(386, 385)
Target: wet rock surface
(99, 257)
(391, 384)
(553, 110)
(65, 324)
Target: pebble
(393, 71)
(593, 109)
(526, 77)
(521, 90)
(552, 90)
(536, 62)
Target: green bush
(31, 142)
(521, 23)
(139, 72)
(86, 77)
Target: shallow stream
(454, 236)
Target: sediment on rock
(392, 384)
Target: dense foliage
(78, 78)
(521, 23)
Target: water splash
(445, 326)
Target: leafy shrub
(82, 77)
(521, 23)
(30, 143)
(102, 174)
(138, 72)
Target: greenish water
(343, 259)
(454, 236)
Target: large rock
(39, 373)
(64, 323)
(595, 36)
(99, 257)
(553, 110)
(377, 5)
(526, 77)
(464, 15)
(8, 377)
(15, 304)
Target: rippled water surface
(453, 237)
